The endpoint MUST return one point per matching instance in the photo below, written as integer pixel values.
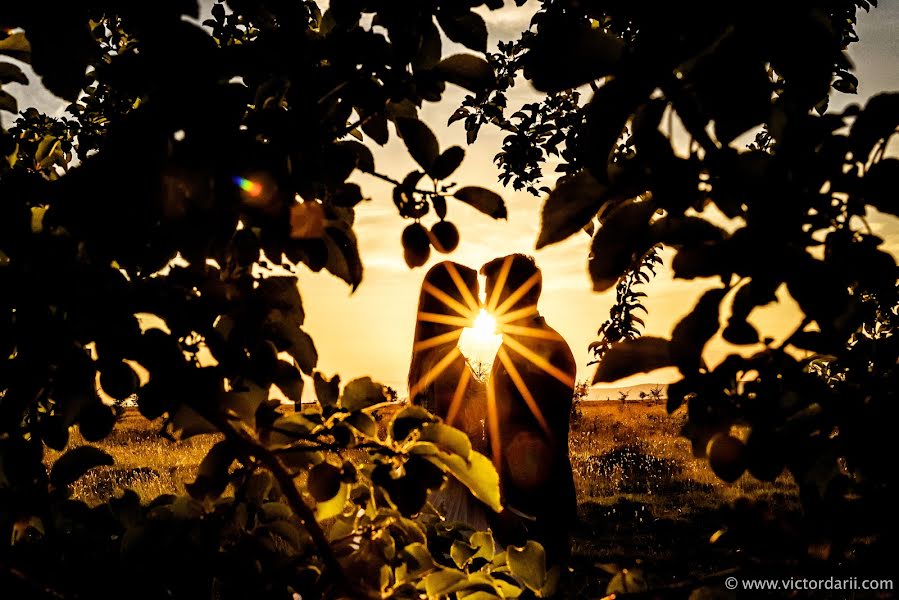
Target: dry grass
(144, 461)
(634, 452)
(631, 452)
(643, 499)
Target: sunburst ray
(524, 391)
(538, 360)
(517, 294)
(500, 284)
(493, 427)
(467, 296)
(464, 377)
(534, 332)
(518, 313)
(442, 319)
(438, 340)
(446, 299)
(434, 372)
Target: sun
(480, 342)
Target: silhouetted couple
(520, 416)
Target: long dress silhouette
(532, 383)
(440, 379)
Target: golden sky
(370, 332)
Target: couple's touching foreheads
(519, 417)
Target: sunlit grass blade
(538, 361)
(434, 372)
(438, 340)
(524, 391)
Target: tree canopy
(205, 157)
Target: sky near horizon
(370, 331)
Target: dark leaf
(571, 207)
(459, 114)
(467, 71)
(361, 393)
(375, 127)
(476, 472)
(489, 203)
(740, 333)
(607, 115)
(528, 564)
(881, 186)
(289, 381)
(8, 102)
(326, 390)
(212, 474)
(287, 336)
(692, 262)
(629, 357)
(879, 119)
(731, 88)
(343, 254)
(69, 467)
(282, 293)
(11, 73)
(419, 140)
(365, 161)
(563, 57)
(820, 295)
(846, 83)
(623, 237)
(407, 420)
(447, 163)
(364, 423)
(693, 331)
(448, 439)
(439, 203)
(685, 231)
(431, 48)
(466, 28)
(186, 423)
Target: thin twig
(250, 448)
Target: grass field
(644, 500)
(634, 451)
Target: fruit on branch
(416, 245)
(727, 457)
(444, 236)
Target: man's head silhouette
(513, 275)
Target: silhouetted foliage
(213, 160)
(623, 324)
(797, 196)
(155, 229)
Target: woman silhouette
(440, 379)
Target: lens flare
(252, 188)
(480, 342)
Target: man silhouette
(529, 400)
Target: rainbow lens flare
(253, 188)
